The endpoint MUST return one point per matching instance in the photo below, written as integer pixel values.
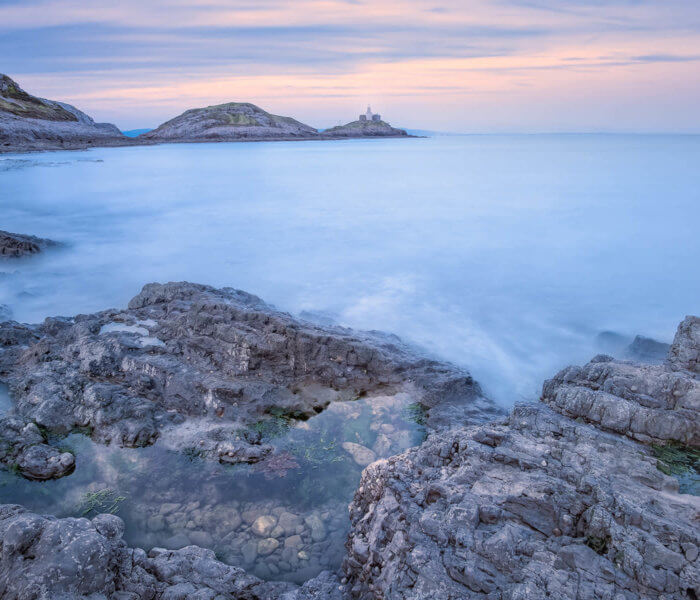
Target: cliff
(30, 123)
(229, 122)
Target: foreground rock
(198, 367)
(364, 129)
(16, 245)
(48, 558)
(31, 123)
(229, 122)
(540, 505)
(537, 505)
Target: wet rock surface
(568, 498)
(542, 505)
(197, 367)
(48, 558)
(23, 449)
(16, 245)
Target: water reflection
(5, 401)
(285, 518)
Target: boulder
(225, 361)
(558, 500)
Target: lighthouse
(370, 116)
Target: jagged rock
(49, 558)
(645, 402)
(535, 505)
(539, 505)
(15, 245)
(646, 349)
(325, 586)
(685, 350)
(199, 366)
(31, 123)
(364, 129)
(227, 122)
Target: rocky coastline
(584, 495)
(32, 124)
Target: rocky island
(28, 123)
(590, 493)
(16, 245)
(368, 125)
(233, 121)
(360, 129)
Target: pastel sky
(452, 65)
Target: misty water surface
(505, 254)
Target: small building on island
(370, 116)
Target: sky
(472, 66)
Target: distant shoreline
(130, 142)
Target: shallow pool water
(5, 401)
(285, 518)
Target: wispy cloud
(485, 64)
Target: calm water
(5, 401)
(284, 519)
(506, 254)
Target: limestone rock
(318, 529)
(360, 454)
(23, 448)
(267, 546)
(227, 122)
(31, 123)
(650, 403)
(555, 500)
(263, 525)
(685, 350)
(539, 505)
(225, 359)
(646, 349)
(364, 129)
(16, 245)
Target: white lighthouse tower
(370, 116)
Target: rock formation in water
(358, 129)
(15, 245)
(575, 497)
(564, 499)
(229, 122)
(645, 349)
(44, 558)
(29, 123)
(185, 353)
